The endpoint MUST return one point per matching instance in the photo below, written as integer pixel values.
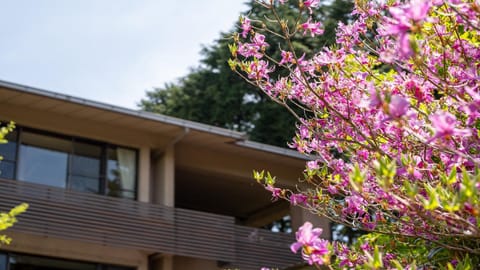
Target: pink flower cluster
(314, 249)
(393, 118)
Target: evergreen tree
(213, 94)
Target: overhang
(15, 95)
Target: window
(120, 172)
(43, 159)
(8, 151)
(86, 167)
(345, 234)
(12, 261)
(70, 163)
(283, 225)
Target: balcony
(55, 212)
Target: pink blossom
(305, 236)
(246, 26)
(444, 124)
(398, 106)
(346, 108)
(259, 40)
(418, 91)
(313, 165)
(287, 57)
(276, 192)
(304, 132)
(249, 50)
(313, 27)
(404, 18)
(355, 205)
(332, 189)
(375, 98)
(319, 253)
(314, 249)
(259, 70)
(311, 4)
(298, 198)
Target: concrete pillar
(143, 193)
(162, 262)
(164, 177)
(300, 216)
(163, 193)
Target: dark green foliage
(215, 95)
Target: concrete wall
(300, 216)
(169, 262)
(187, 263)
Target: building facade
(113, 188)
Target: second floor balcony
(59, 213)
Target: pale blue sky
(107, 50)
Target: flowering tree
(391, 119)
(8, 219)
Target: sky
(110, 51)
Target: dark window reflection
(85, 184)
(27, 262)
(85, 167)
(7, 169)
(23, 262)
(44, 159)
(71, 163)
(9, 150)
(43, 166)
(3, 261)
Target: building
(113, 188)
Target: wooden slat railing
(256, 248)
(55, 212)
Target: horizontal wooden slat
(55, 212)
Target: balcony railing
(55, 212)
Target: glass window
(9, 150)
(84, 184)
(43, 166)
(44, 159)
(7, 169)
(24, 262)
(345, 234)
(85, 167)
(3, 261)
(71, 163)
(121, 172)
(28, 262)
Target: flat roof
(241, 138)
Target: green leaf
(397, 264)
(258, 176)
(410, 188)
(17, 210)
(356, 178)
(432, 202)
(467, 188)
(377, 258)
(452, 178)
(269, 180)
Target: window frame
(97, 265)
(104, 146)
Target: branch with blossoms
(391, 115)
